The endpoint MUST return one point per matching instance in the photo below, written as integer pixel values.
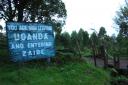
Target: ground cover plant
(38, 73)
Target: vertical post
(104, 56)
(78, 46)
(94, 52)
(49, 60)
(116, 62)
(94, 56)
(79, 49)
(7, 42)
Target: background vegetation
(67, 67)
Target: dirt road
(100, 62)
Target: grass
(77, 73)
(3, 52)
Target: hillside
(40, 74)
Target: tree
(86, 39)
(75, 43)
(66, 40)
(81, 38)
(122, 45)
(121, 19)
(74, 39)
(44, 11)
(124, 28)
(1, 28)
(102, 32)
(102, 36)
(94, 38)
(94, 43)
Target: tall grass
(39, 74)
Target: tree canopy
(66, 40)
(122, 20)
(102, 32)
(44, 11)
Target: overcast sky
(88, 14)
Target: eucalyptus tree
(102, 32)
(86, 39)
(94, 43)
(75, 43)
(66, 40)
(74, 39)
(121, 19)
(81, 38)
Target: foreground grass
(3, 53)
(38, 74)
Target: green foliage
(86, 39)
(121, 78)
(116, 46)
(94, 38)
(102, 37)
(124, 28)
(3, 46)
(74, 39)
(3, 41)
(68, 74)
(122, 20)
(87, 52)
(66, 40)
(102, 32)
(45, 11)
(3, 53)
(122, 43)
(83, 38)
(80, 38)
(111, 46)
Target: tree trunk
(78, 46)
(104, 56)
(94, 54)
(116, 62)
(20, 14)
(10, 11)
(20, 11)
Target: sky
(87, 14)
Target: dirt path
(100, 63)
